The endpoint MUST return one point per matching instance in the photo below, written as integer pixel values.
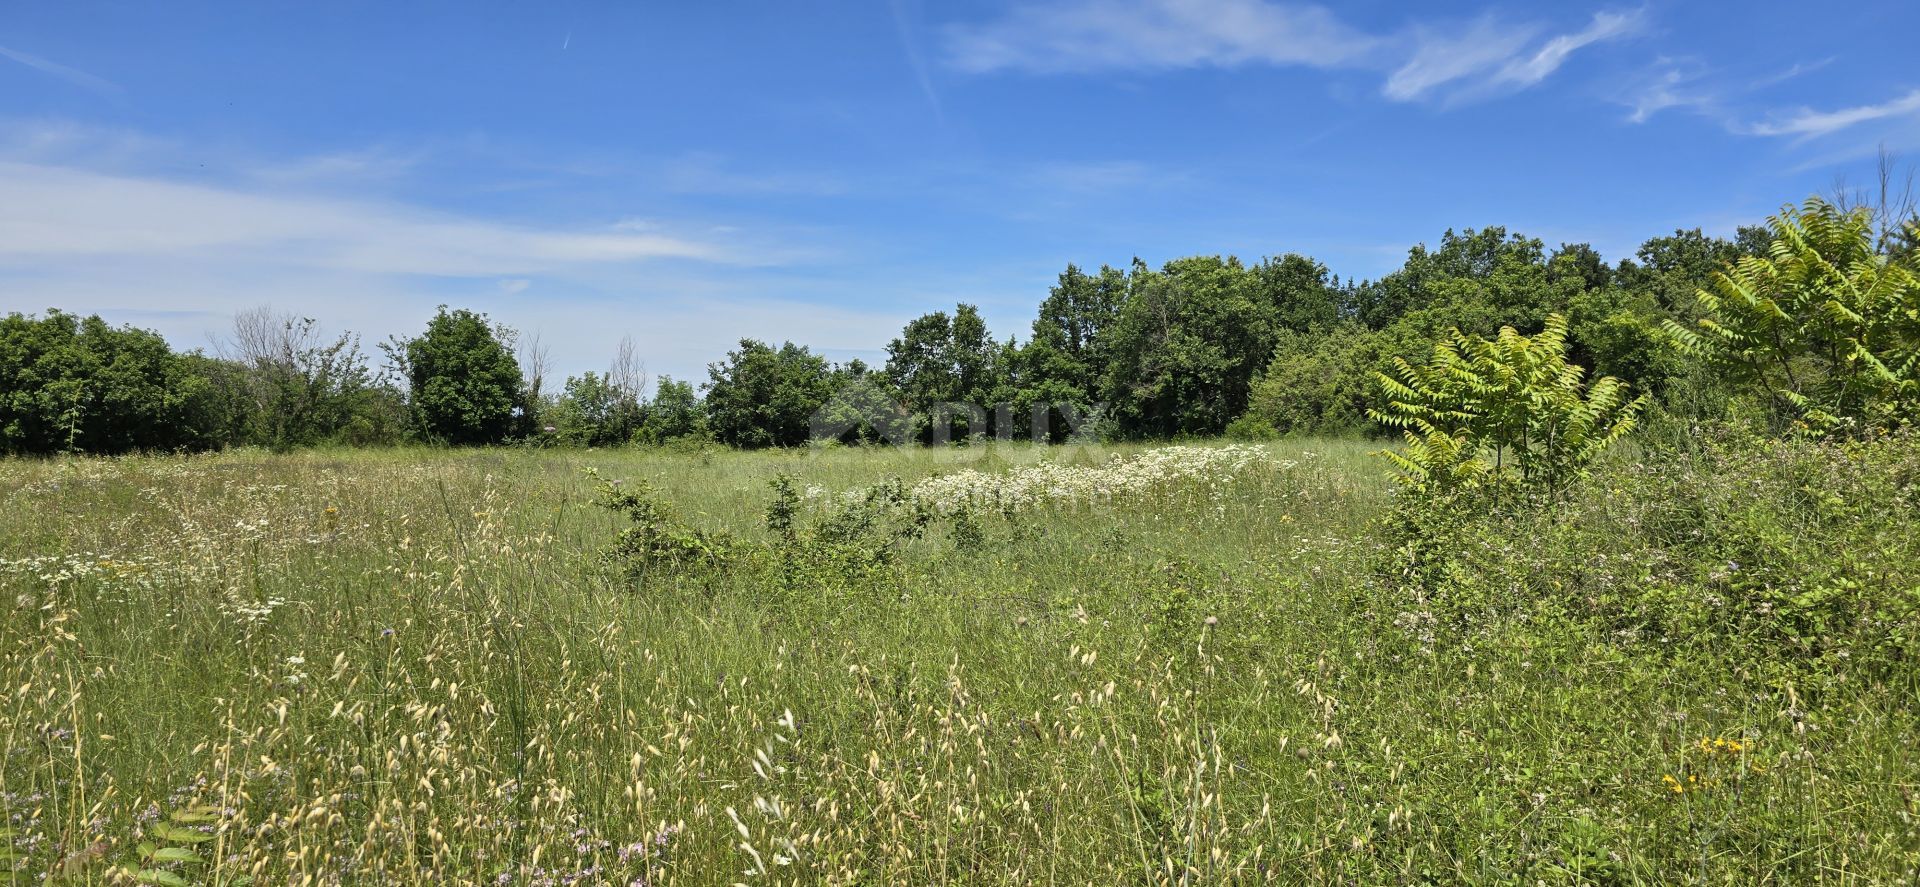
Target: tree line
(1197, 347)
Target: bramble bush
(1794, 553)
(656, 538)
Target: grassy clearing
(412, 666)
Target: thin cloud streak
(1807, 123)
(1669, 85)
(1486, 56)
(915, 59)
(74, 76)
(48, 211)
(1089, 35)
(1492, 57)
(1440, 59)
(1605, 26)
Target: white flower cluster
(1051, 484)
(249, 613)
(58, 569)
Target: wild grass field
(1081, 665)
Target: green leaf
(176, 835)
(196, 814)
(159, 876)
(176, 854)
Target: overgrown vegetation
(1001, 664)
(1824, 322)
(1482, 407)
(1545, 652)
(1197, 347)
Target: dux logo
(864, 410)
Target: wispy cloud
(1454, 62)
(103, 232)
(55, 211)
(371, 165)
(1527, 71)
(707, 173)
(1492, 56)
(1668, 84)
(74, 76)
(902, 25)
(1796, 70)
(1101, 177)
(1446, 56)
(1687, 84)
(1807, 123)
(1097, 35)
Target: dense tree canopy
(465, 383)
(939, 362)
(762, 396)
(70, 384)
(1194, 347)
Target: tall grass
(412, 667)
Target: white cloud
(48, 211)
(1439, 58)
(678, 323)
(1667, 85)
(1535, 68)
(1807, 123)
(1796, 70)
(1492, 56)
(74, 76)
(1481, 57)
(1093, 35)
(88, 226)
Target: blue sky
(690, 173)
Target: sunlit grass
(412, 667)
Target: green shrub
(1481, 404)
(1823, 323)
(656, 539)
(1786, 552)
(847, 544)
(1318, 382)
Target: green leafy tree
(78, 384)
(1187, 345)
(1671, 269)
(588, 412)
(1481, 408)
(1621, 332)
(1303, 295)
(305, 388)
(1824, 323)
(762, 396)
(465, 383)
(940, 360)
(1482, 279)
(673, 414)
(1318, 383)
(1066, 360)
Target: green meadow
(972, 665)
